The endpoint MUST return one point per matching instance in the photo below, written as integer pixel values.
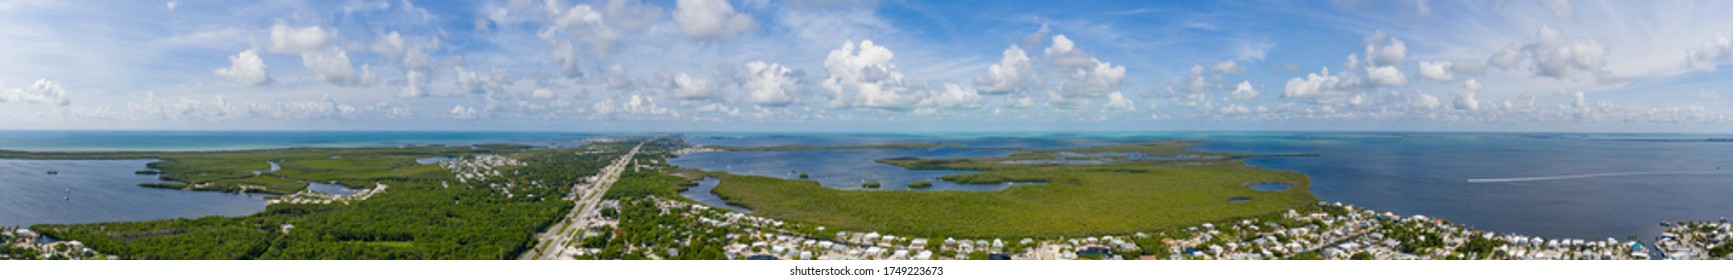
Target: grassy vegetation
(853, 147)
(640, 184)
(921, 184)
(696, 174)
(1075, 200)
(426, 214)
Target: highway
(552, 243)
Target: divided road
(552, 244)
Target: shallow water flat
(842, 169)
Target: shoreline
(701, 148)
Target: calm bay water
(701, 193)
(845, 169)
(1428, 175)
(88, 191)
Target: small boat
(52, 172)
(68, 198)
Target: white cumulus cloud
(1558, 58)
(473, 82)
(1195, 83)
(1386, 76)
(463, 113)
(414, 84)
(1118, 102)
(1080, 74)
(1245, 91)
(390, 45)
(1425, 101)
(335, 67)
(1013, 73)
(771, 84)
(582, 23)
(862, 75)
(645, 106)
(688, 87)
(1711, 55)
(1322, 87)
(1505, 59)
(1466, 100)
(1436, 71)
(328, 62)
(246, 68)
(299, 40)
(1383, 50)
(954, 97)
(42, 92)
(1445, 71)
(711, 19)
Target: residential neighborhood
(1705, 240)
(1328, 231)
(24, 244)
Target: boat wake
(1599, 175)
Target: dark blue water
(1428, 175)
(842, 169)
(333, 189)
(701, 194)
(89, 191)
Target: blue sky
(832, 65)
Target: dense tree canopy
(425, 214)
